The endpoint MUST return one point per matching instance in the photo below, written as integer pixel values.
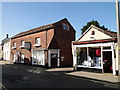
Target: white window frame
(37, 41)
(22, 44)
(14, 45)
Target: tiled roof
(34, 30)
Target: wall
(6, 50)
(98, 35)
(31, 38)
(62, 40)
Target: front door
(54, 58)
(107, 61)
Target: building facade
(48, 45)
(1, 52)
(6, 48)
(96, 49)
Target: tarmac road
(27, 76)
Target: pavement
(5, 62)
(105, 77)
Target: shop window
(81, 56)
(94, 58)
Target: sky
(22, 16)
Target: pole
(118, 36)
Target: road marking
(2, 87)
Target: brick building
(48, 45)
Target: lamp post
(118, 36)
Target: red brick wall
(31, 38)
(62, 40)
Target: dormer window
(37, 41)
(65, 26)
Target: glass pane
(94, 58)
(82, 56)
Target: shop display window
(94, 57)
(82, 56)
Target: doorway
(54, 59)
(107, 61)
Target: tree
(96, 23)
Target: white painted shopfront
(39, 57)
(97, 51)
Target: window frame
(65, 26)
(22, 43)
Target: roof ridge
(37, 29)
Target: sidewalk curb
(65, 74)
(90, 79)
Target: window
(22, 43)
(65, 26)
(37, 41)
(14, 44)
(22, 58)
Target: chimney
(7, 35)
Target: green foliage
(96, 23)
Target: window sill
(37, 45)
(13, 47)
(22, 46)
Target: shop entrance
(107, 61)
(54, 57)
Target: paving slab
(108, 77)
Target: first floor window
(38, 41)
(14, 44)
(22, 43)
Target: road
(27, 76)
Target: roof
(5, 40)
(38, 29)
(108, 32)
(95, 41)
